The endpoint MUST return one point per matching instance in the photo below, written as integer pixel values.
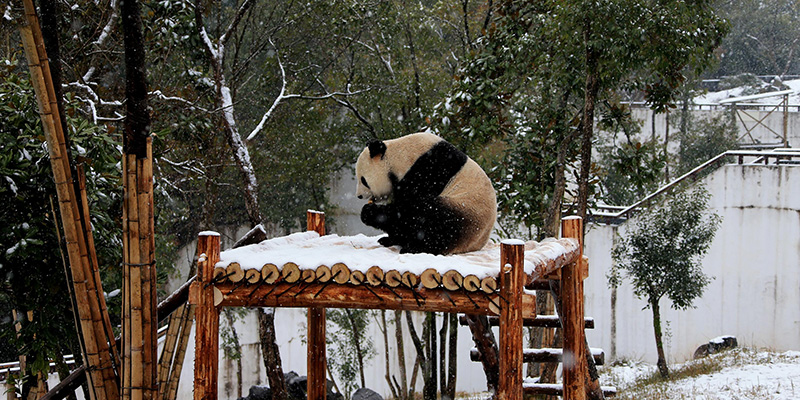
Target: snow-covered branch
(162, 96)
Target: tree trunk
(429, 388)
(662, 360)
(229, 318)
(357, 343)
(587, 123)
(485, 341)
(452, 362)
(396, 391)
(271, 354)
(404, 390)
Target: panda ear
(376, 148)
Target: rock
(296, 386)
(716, 345)
(259, 393)
(366, 394)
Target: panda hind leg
(435, 229)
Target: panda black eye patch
(364, 182)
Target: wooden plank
(206, 362)
(512, 280)
(575, 370)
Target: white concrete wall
(755, 259)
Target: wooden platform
(319, 271)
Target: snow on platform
(309, 250)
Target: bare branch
(236, 19)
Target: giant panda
(428, 196)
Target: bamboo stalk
(171, 391)
(95, 274)
(170, 341)
(41, 80)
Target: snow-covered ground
(736, 374)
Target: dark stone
(715, 346)
(366, 394)
(296, 386)
(259, 393)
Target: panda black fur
(426, 195)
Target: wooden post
(512, 280)
(574, 361)
(206, 355)
(317, 361)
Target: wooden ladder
(567, 286)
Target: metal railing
(616, 214)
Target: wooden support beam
(540, 321)
(317, 360)
(206, 361)
(512, 280)
(331, 295)
(575, 370)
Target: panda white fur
(428, 196)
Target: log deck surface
(324, 287)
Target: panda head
(373, 173)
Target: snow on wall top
(309, 250)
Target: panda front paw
(374, 215)
(387, 241)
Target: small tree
(661, 256)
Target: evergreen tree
(661, 255)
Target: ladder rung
(556, 389)
(541, 321)
(544, 355)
